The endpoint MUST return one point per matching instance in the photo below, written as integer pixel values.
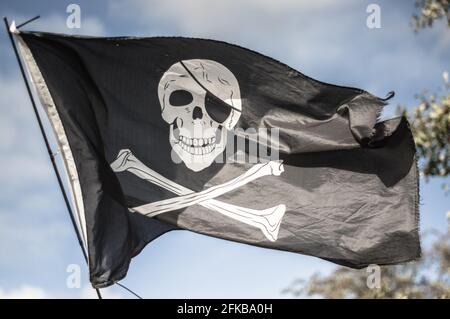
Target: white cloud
(24, 292)
(33, 292)
(232, 19)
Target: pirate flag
(167, 133)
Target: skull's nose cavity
(197, 113)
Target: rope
(129, 290)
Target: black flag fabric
(167, 133)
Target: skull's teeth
(197, 146)
(197, 141)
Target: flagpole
(46, 141)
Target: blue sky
(327, 40)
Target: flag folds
(167, 133)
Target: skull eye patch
(217, 109)
(180, 98)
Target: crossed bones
(267, 220)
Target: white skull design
(200, 100)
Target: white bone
(267, 220)
(167, 205)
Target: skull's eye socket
(217, 109)
(180, 98)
